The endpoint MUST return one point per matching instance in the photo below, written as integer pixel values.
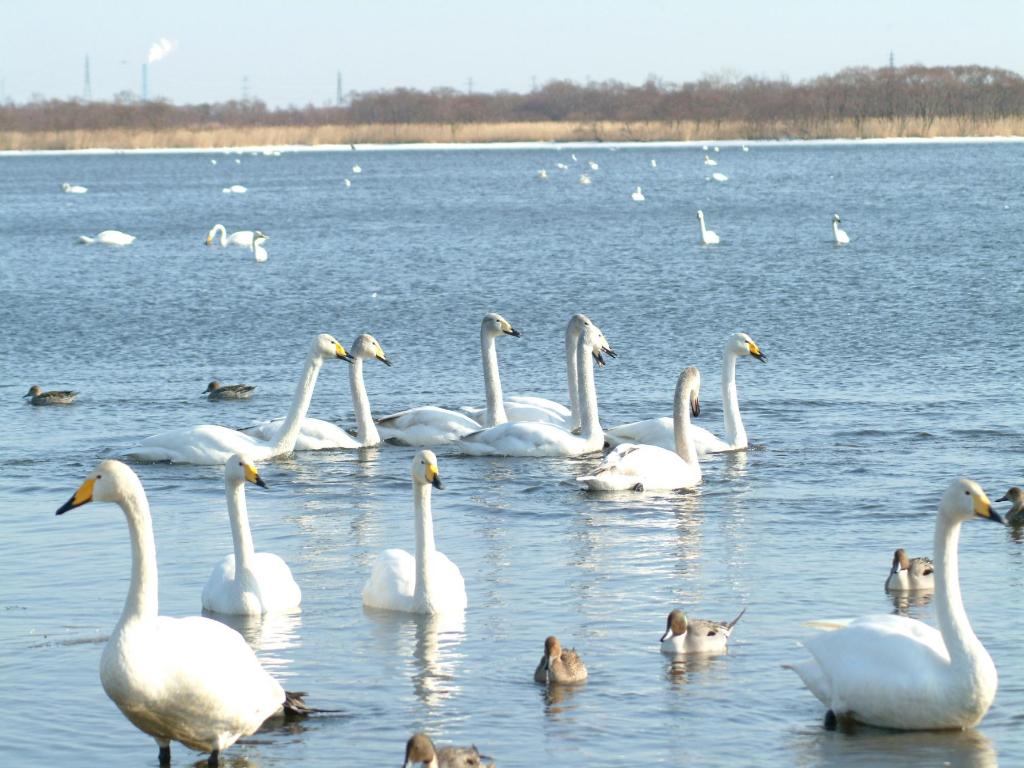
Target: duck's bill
(82, 496)
(666, 636)
(1004, 497)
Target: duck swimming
(683, 635)
(217, 391)
(910, 574)
(559, 665)
(58, 397)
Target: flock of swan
(195, 681)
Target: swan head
(240, 469)
(741, 344)
(689, 381)
(424, 470)
(900, 561)
(110, 481)
(675, 626)
(836, 219)
(599, 346)
(419, 749)
(700, 214)
(327, 347)
(964, 500)
(368, 348)
(495, 325)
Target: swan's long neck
(245, 554)
(835, 229)
(423, 593)
(735, 434)
(492, 381)
(223, 234)
(590, 425)
(289, 431)
(366, 430)
(572, 335)
(681, 424)
(965, 650)
(703, 229)
(141, 603)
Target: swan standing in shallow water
(430, 425)
(683, 635)
(559, 665)
(530, 408)
(661, 431)
(838, 234)
(420, 749)
(74, 189)
(210, 444)
(894, 672)
(318, 435)
(910, 574)
(533, 438)
(707, 236)
(638, 195)
(191, 680)
(108, 237)
(242, 238)
(247, 582)
(429, 582)
(650, 467)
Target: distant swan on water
(709, 161)
(258, 251)
(108, 237)
(235, 189)
(74, 189)
(638, 195)
(242, 238)
(707, 236)
(838, 234)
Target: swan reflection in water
(270, 635)
(863, 745)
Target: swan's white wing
(425, 426)
(649, 466)
(205, 444)
(527, 408)
(277, 586)
(314, 435)
(242, 239)
(392, 581)
(447, 584)
(660, 432)
(523, 438)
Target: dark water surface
(893, 367)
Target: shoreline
(509, 135)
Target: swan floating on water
(74, 189)
(542, 173)
(707, 236)
(661, 431)
(357, 168)
(593, 166)
(654, 163)
(247, 582)
(108, 237)
(430, 425)
(719, 176)
(562, 166)
(684, 635)
(428, 583)
(259, 253)
(562, 666)
(235, 189)
(584, 179)
(651, 467)
(910, 574)
(534, 438)
(192, 680)
(210, 444)
(638, 195)
(318, 435)
(217, 391)
(36, 396)
(709, 161)
(894, 672)
(838, 234)
(347, 183)
(420, 749)
(242, 238)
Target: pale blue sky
(291, 51)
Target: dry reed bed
(206, 137)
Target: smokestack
(145, 81)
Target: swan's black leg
(214, 760)
(165, 754)
(831, 722)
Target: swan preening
(838, 234)
(242, 238)
(74, 189)
(650, 467)
(638, 195)
(108, 237)
(247, 582)
(318, 435)
(430, 425)
(559, 665)
(428, 582)
(210, 444)
(684, 635)
(707, 236)
(894, 672)
(910, 574)
(661, 431)
(191, 680)
(529, 438)
(36, 396)
(419, 749)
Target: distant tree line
(923, 94)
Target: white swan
(531, 408)
(258, 251)
(542, 173)
(318, 435)
(894, 672)
(707, 236)
(235, 189)
(429, 582)
(430, 425)
(347, 182)
(638, 195)
(584, 179)
(708, 161)
(654, 163)
(108, 237)
(661, 431)
(719, 176)
(650, 467)
(242, 238)
(247, 582)
(74, 189)
(357, 168)
(593, 166)
(684, 635)
(838, 234)
(533, 438)
(209, 444)
(191, 680)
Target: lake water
(892, 369)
